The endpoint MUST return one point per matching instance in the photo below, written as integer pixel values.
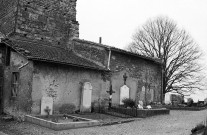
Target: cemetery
(67, 117)
(52, 75)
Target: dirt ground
(177, 123)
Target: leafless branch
(161, 38)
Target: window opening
(15, 83)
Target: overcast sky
(116, 20)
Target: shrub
(190, 102)
(67, 108)
(200, 104)
(128, 102)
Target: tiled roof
(48, 53)
(118, 50)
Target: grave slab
(86, 97)
(46, 102)
(142, 95)
(124, 93)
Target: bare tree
(161, 38)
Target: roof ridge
(94, 43)
(120, 50)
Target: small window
(1, 58)
(8, 53)
(15, 84)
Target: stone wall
(7, 16)
(20, 104)
(91, 51)
(46, 20)
(140, 72)
(50, 20)
(64, 85)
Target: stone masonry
(46, 20)
(141, 72)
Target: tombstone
(152, 95)
(139, 106)
(46, 103)
(167, 98)
(148, 107)
(148, 95)
(141, 103)
(124, 93)
(86, 97)
(142, 94)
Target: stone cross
(125, 78)
(110, 94)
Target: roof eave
(64, 63)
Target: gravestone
(86, 97)
(46, 103)
(124, 93)
(142, 94)
(141, 103)
(152, 95)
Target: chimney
(100, 40)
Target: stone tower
(44, 20)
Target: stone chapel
(41, 55)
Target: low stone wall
(141, 113)
(62, 126)
(186, 108)
(152, 112)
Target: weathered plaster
(21, 103)
(140, 72)
(63, 84)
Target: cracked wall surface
(64, 84)
(21, 104)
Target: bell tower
(46, 20)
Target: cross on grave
(47, 110)
(110, 94)
(110, 90)
(125, 78)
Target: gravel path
(177, 123)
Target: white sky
(116, 20)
